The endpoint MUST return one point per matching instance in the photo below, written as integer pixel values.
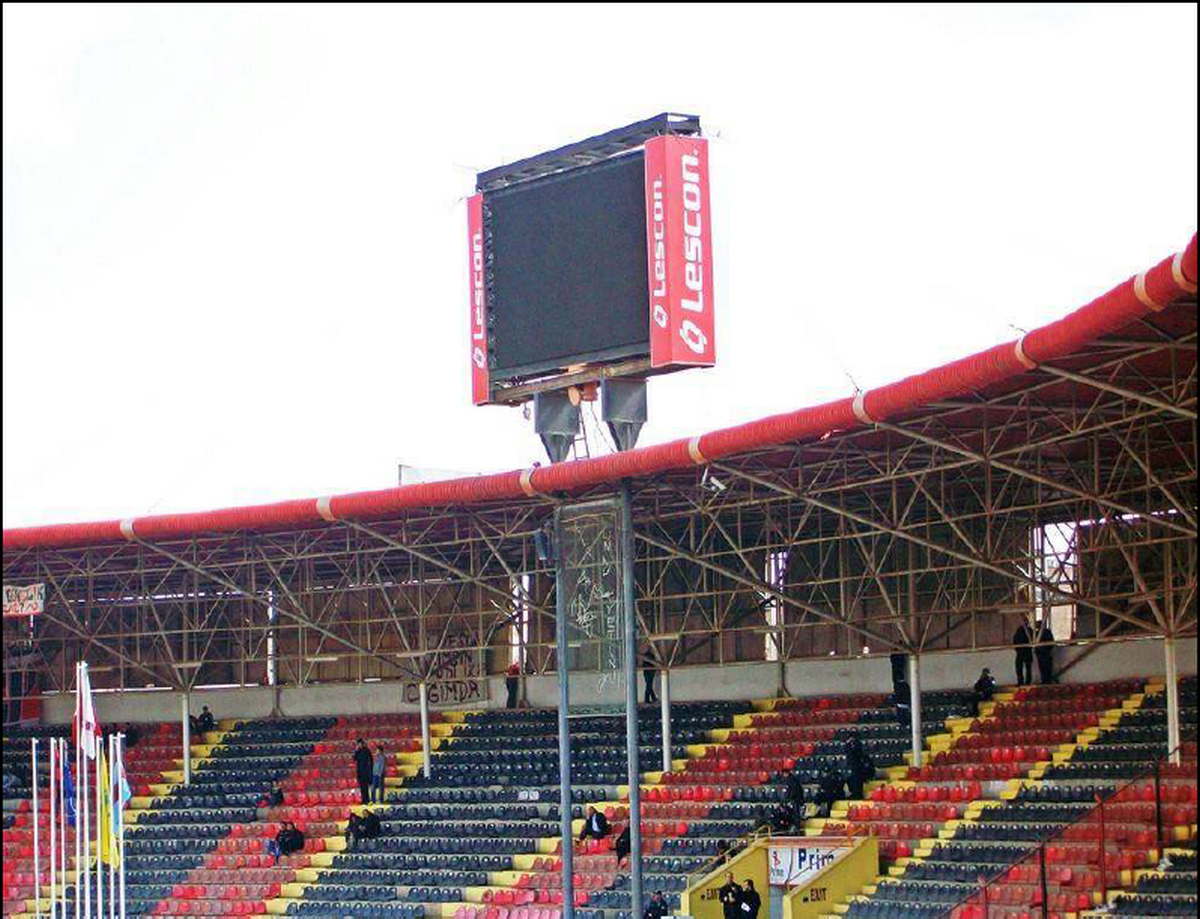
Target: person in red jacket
(512, 682)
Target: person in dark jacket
(512, 683)
(622, 845)
(275, 796)
(205, 721)
(901, 701)
(794, 789)
(829, 791)
(1022, 640)
(1044, 651)
(730, 895)
(859, 768)
(362, 770)
(595, 825)
(985, 688)
(649, 668)
(359, 828)
(657, 907)
(751, 901)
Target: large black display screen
(567, 279)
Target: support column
(564, 742)
(664, 700)
(426, 746)
(631, 719)
(1172, 699)
(914, 688)
(185, 712)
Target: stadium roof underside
(1057, 472)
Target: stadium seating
(479, 837)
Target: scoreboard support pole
(564, 744)
(631, 710)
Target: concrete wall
(954, 670)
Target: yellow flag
(108, 848)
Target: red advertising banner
(475, 257)
(679, 246)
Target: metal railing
(1050, 864)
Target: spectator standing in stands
(378, 773)
(829, 790)
(901, 700)
(794, 789)
(657, 907)
(730, 896)
(362, 770)
(859, 768)
(512, 682)
(1022, 639)
(595, 825)
(985, 688)
(649, 667)
(751, 901)
(622, 845)
(1044, 650)
(205, 721)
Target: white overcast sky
(234, 237)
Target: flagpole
(37, 860)
(112, 837)
(64, 762)
(99, 833)
(53, 829)
(121, 821)
(85, 817)
(80, 822)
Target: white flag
(84, 725)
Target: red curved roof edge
(1148, 292)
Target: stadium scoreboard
(592, 258)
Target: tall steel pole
(186, 725)
(564, 731)
(914, 688)
(1172, 688)
(664, 700)
(631, 715)
(426, 740)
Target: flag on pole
(104, 813)
(85, 729)
(68, 784)
(124, 793)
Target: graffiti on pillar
(591, 573)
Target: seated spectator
(595, 825)
(10, 781)
(657, 907)
(282, 840)
(622, 845)
(205, 721)
(784, 817)
(359, 828)
(985, 688)
(275, 796)
(294, 841)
